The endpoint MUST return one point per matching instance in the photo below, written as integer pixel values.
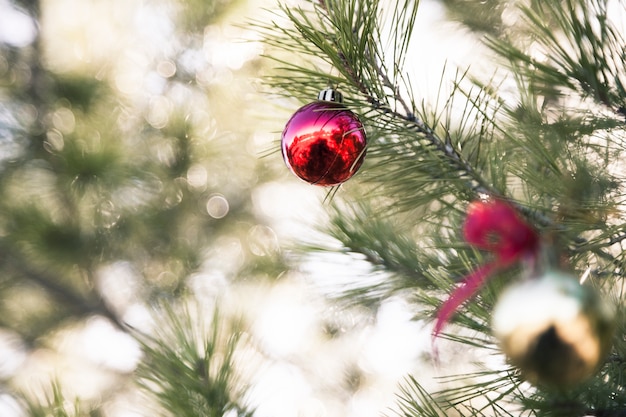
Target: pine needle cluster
(545, 130)
(91, 180)
(114, 195)
(190, 366)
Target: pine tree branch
(605, 413)
(584, 52)
(370, 89)
(445, 147)
(190, 366)
(77, 303)
(426, 150)
(367, 73)
(477, 184)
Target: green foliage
(545, 131)
(89, 177)
(57, 405)
(86, 181)
(189, 366)
(583, 49)
(482, 16)
(197, 14)
(93, 175)
(501, 389)
(81, 91)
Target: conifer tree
(478, 201)
(496, 200)
(120, 207)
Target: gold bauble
(555, 330)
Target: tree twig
(81, 305)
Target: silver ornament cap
(555, 330)
(330, 94)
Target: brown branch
(81, 305)
(477, 184)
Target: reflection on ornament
(324, 143)
(555, 330)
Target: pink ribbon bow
(491, 225)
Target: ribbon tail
(468, 288)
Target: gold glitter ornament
(555, 330)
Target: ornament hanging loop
(330, 94)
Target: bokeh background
(140, 165)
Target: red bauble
(324, 143)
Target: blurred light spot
(262, 240)
(119, 284)
(217, 206)
(64, 120)
(226, 255)
(173, 195)
(16, 28)
(286, 323)
(104, 345)
(130, 72)
(280, 391)
(138, 192)
(369, 401)
(126, 403)
(108, 214)
(54, 141)
(12, 354)
(27, 114)
(166, 279)
(260, 140)
(21, 75)
(4, 65)
(312, 407)
(291, 207)
(223, 52)
(9, 406)
(191, 60)
(159, 113)
(154, 84)
(128, 82)
(166, 153)
(394, 342)
(205, 76)
(208, 285)
(510, 15)
(197, 176)
(166, 69)
(139, 317)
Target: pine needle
(189, 367)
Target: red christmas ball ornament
(324, 143)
